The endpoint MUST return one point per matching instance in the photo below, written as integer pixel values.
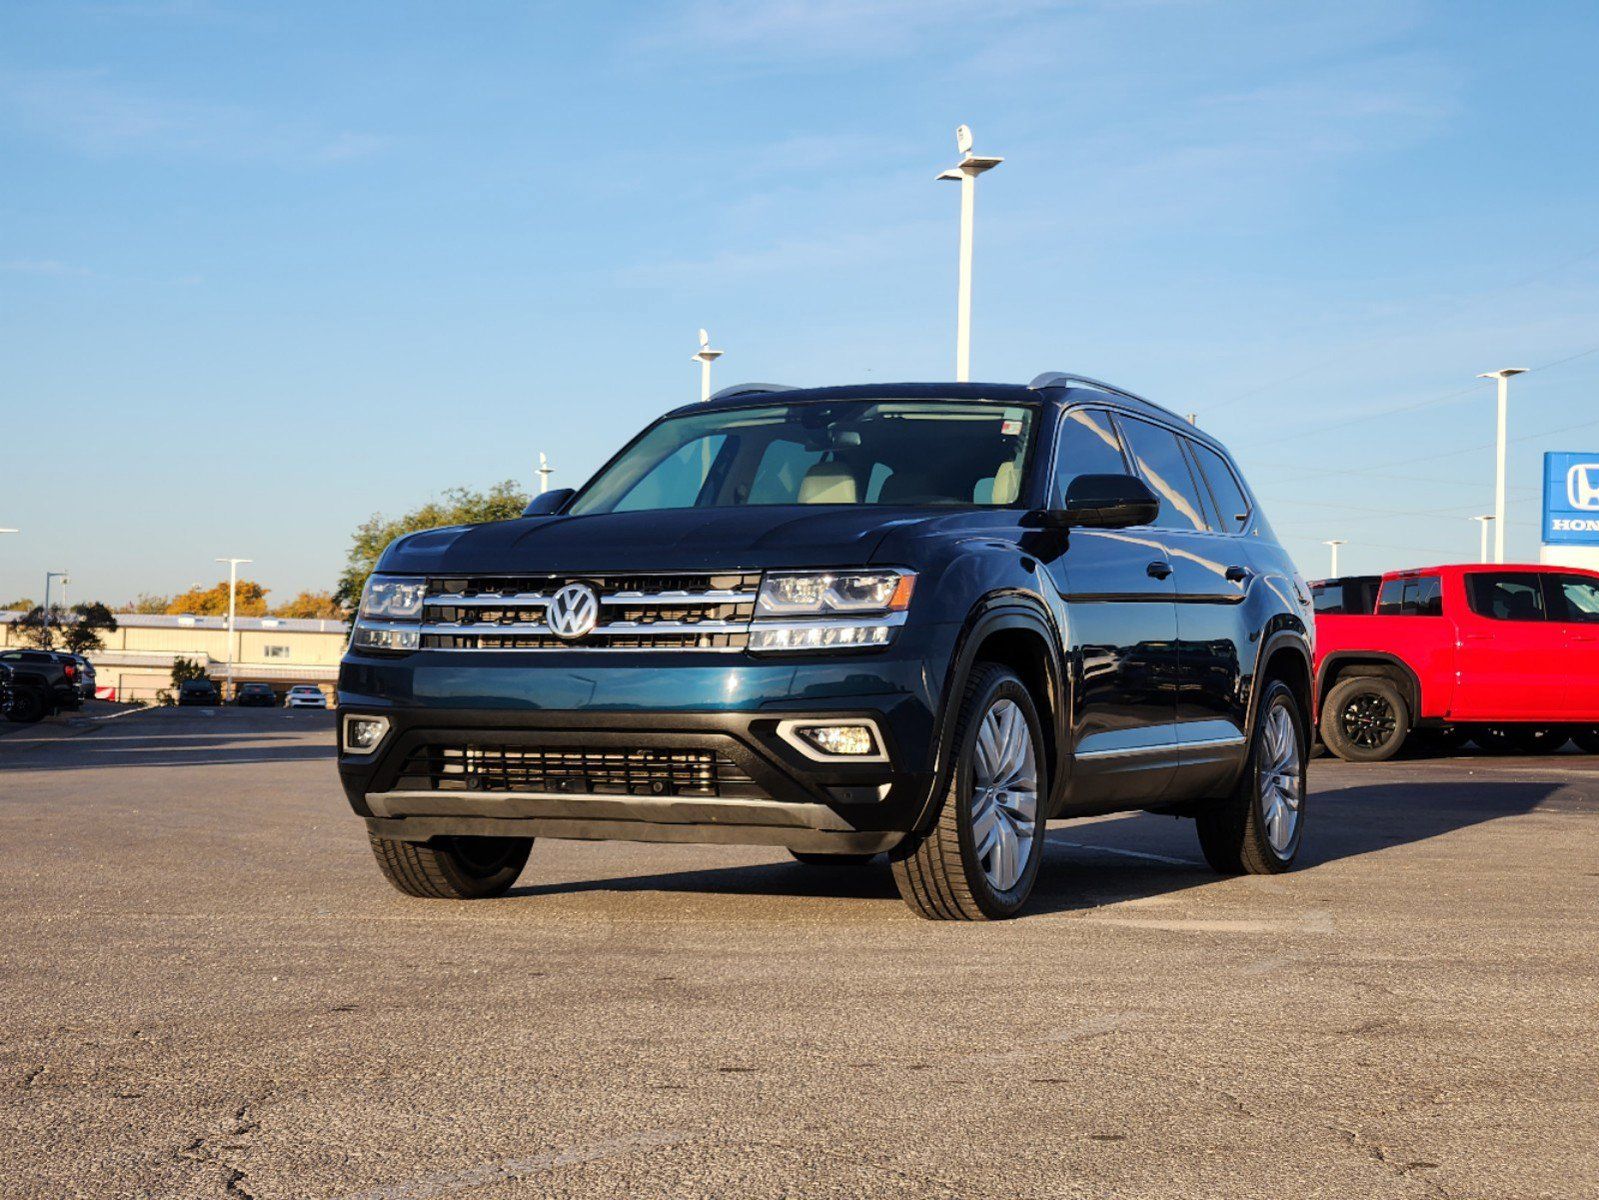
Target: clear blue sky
(266, 269)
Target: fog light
(362, 734)
(854, 741)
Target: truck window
(1089, 445)
(1412, 596)
(1161, 462)
(1574, 598)
(1224, 486)
(1505, 595)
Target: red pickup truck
(1506, 656)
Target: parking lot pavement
(209, 992)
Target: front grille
(708, 611)
(577, 770)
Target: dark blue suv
(917, 620)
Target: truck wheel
(27, 706)
(1364, 719)
(1257, 830)
(1587, 740)
(812, 858)
(452, 868)
(979, 860)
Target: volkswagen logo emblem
(573, 611)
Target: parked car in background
(198, 692)
(912, 619)
(1347, 594)
(28, 711)
(85, 676)
(304, 695)
(255, 695)
(1506, 656)
(43, 680)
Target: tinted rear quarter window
(1505, 595)
(1231, 502)
(1413, 596)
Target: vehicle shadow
(1089, 865)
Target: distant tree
(311, 606)
(213, 601)
(457, 506)
(17, 606)
(84, 626)
(31, 629)
(186, 668)
(148, 604)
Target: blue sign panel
(1571, 499)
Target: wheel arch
(1017, 631)
(1344, 664)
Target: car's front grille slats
(710, 611)
(579, 770)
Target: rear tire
(813, 858)
(27, 706)
(1365, 719)
(1258, 829)
(452, 868)
(980, 859)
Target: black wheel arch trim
(1409, 682)
(1298, 644)
(994, 614)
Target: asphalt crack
(218, 1152)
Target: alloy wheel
(1368, 720)
(1280, 779)
(1004, 795)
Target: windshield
(913, 452)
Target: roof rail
(1051, 379)
(750, 389)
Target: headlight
(393, 598)
(830, 610)
(820, 594)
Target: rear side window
(1417, 596)
(1160, 460)
(1505, 595)
(1089, 445)
(1231, 502)
(1574, 598)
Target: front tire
(980, 859)
(1258, 829)
(452, 868)
(1364, 719)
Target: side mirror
(546, 503)
(1104, 502)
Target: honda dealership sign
(1571, 510)
(1571, 499)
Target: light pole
(545, 471)
(233, 588)
(1503, 376)
(966, 171)
(1484, 522)
(63, 576)
(1335, 543)
(705, 358)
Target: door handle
(1159, 569)
(1239, 574)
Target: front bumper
(702, 704)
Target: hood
(682, 539)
